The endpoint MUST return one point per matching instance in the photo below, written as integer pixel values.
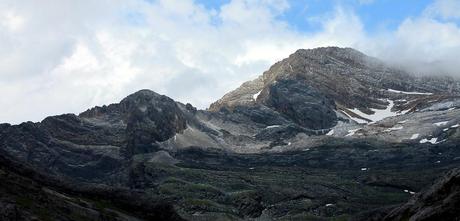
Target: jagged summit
(143, 93)
(346, 53)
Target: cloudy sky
(64, 56)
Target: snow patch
(414, 136)
(329, 204)
(393, 129)
(330, 133)
(407, 92)
(432, 140)
(402, 122)
(358, 120)
(352, 132)
(410, 192)
(256, 95)
(364, 169)
(441, 123)
(455, 126)
(441, 141)
(272, 126)
(378, 114)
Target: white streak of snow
(432, 140)
(272, 126)
(414, 136)
(393, 129)
(330, 133)
(352, 132)
(406, 92)
(441, 123)
(358, 120)
(256, 95)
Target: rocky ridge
(334, 131)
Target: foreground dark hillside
(26, 194)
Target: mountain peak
(318, 66)
(144, 93)
(341, 76)
(330, 50)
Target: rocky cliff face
(327, 132)
(147, 118)
(348, 77)
(440, 202)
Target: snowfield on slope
(379, 114)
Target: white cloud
(446, 9)
(11, 21)
(66, 56)
(423, 45)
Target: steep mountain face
(346, 76)
(439, 202)
(325, 133)
(301, 103)
(146, 116)
(343, 92)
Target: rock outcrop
(26, 194)
(440, 202)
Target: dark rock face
(258, 114)
(148, 116)
(69, 127)
(301, 103)
(152, 118)
(281, 132)
(92, 146)
(26, 194)
(440, 202)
